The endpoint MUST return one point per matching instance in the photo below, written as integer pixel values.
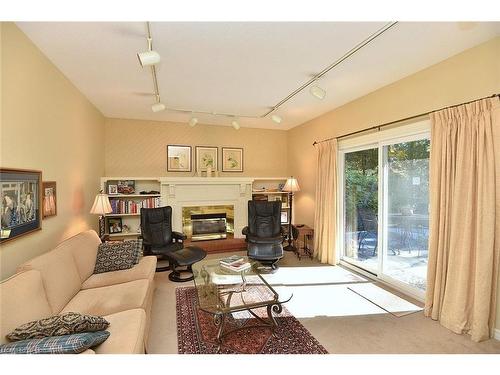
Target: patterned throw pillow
(59, 325)
(67, 344)
(115, 256)
(138, 251)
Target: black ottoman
(185, 257)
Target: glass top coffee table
(223, 293)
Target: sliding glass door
(385, 216)
(361, 207)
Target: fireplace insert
(208, 226)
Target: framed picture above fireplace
(206, 157)
(178, 158)
(232, 159)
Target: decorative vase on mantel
(209, 171)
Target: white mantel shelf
(206, 180)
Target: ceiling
(243, 67)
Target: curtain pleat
(463, 256)
(325, 215)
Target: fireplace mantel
(179, 192)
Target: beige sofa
(62, 280)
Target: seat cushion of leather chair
(110, 299)
(163, 250)
(145, 269)
(187, 256)
(127, 332)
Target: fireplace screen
(208, 226)
(208, 222)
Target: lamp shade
(291, 185)
(101, 205)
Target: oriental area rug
(197, 333)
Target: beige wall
(139, 148)
(47, 124)
(469, 75)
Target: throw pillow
(138, 251)
(67, 344)
(58, 325)
(115, 256)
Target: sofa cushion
(83, 246)
(115, 256)
(144, 270)
(22, 299)
(110, 299)
(58, 325)
(127, 333)
(67, 344)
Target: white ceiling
(243, 68)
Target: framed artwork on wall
(232, 159)
(206, 157)
(178, 158)
(49, 201)
(21, 211)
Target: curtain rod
(401, 120)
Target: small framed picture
(178, 158)
(115, 225)
(126, 187)
(284, 217)
(232, 159)
(112, 189)
(206, 157)
(49, 204)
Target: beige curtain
(325, 215)
(463, 256)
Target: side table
(307, 233)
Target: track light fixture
(158, 107)
(193, 121)
(317, 92)
(235, 124)
(277, 119)
(148, 58)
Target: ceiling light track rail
(151, 58)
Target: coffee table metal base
(269, 322)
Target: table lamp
(101, 207)
(291, 186)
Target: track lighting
(317, 92)
(148, 58)
(235, 124)
(277, 119)
(193, 121)
(158, 107)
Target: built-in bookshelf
(127, 205)
(270, 189)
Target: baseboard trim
(496, 334)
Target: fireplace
(211, 222)
(208, 226)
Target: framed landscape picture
(206, 156)
(178, 158)
(21, 202)
(49, 202)
(232, 159)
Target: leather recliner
(263, 233)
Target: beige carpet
(373, 333)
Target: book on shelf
(229, 261)
(237, 267)
(127, 206)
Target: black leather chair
(159, 239)
(263, 233)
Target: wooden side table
(307, 233)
